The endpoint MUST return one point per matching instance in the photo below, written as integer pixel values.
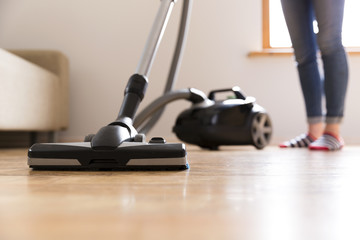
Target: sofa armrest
(28, 95)
(57, 63)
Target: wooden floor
(235, 193)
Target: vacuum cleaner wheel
(261, 130)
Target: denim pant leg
(329, 15)
(299, 16)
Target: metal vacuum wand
(112, 135)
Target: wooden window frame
(266, 24)
(266, 47)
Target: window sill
(272, 52)
(289, 52)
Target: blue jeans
(299, 16)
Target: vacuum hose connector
(112, 135)
(191, 94)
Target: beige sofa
(33, 90)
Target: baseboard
(20, 139)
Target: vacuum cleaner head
(135, 155)
(116, 146)
(235, 121)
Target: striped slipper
(327, 142)
(302, 141)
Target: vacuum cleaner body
(235, 121)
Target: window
(275, 33)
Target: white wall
(104, 40)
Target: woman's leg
(329, 15)
(299, 16)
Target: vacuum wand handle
(134, 94)
(154, 39)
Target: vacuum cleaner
(121, 145)
(234, 121)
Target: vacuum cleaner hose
(191, 94)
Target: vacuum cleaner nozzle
(128, 156)
(116, 146)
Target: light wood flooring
(234, 193)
